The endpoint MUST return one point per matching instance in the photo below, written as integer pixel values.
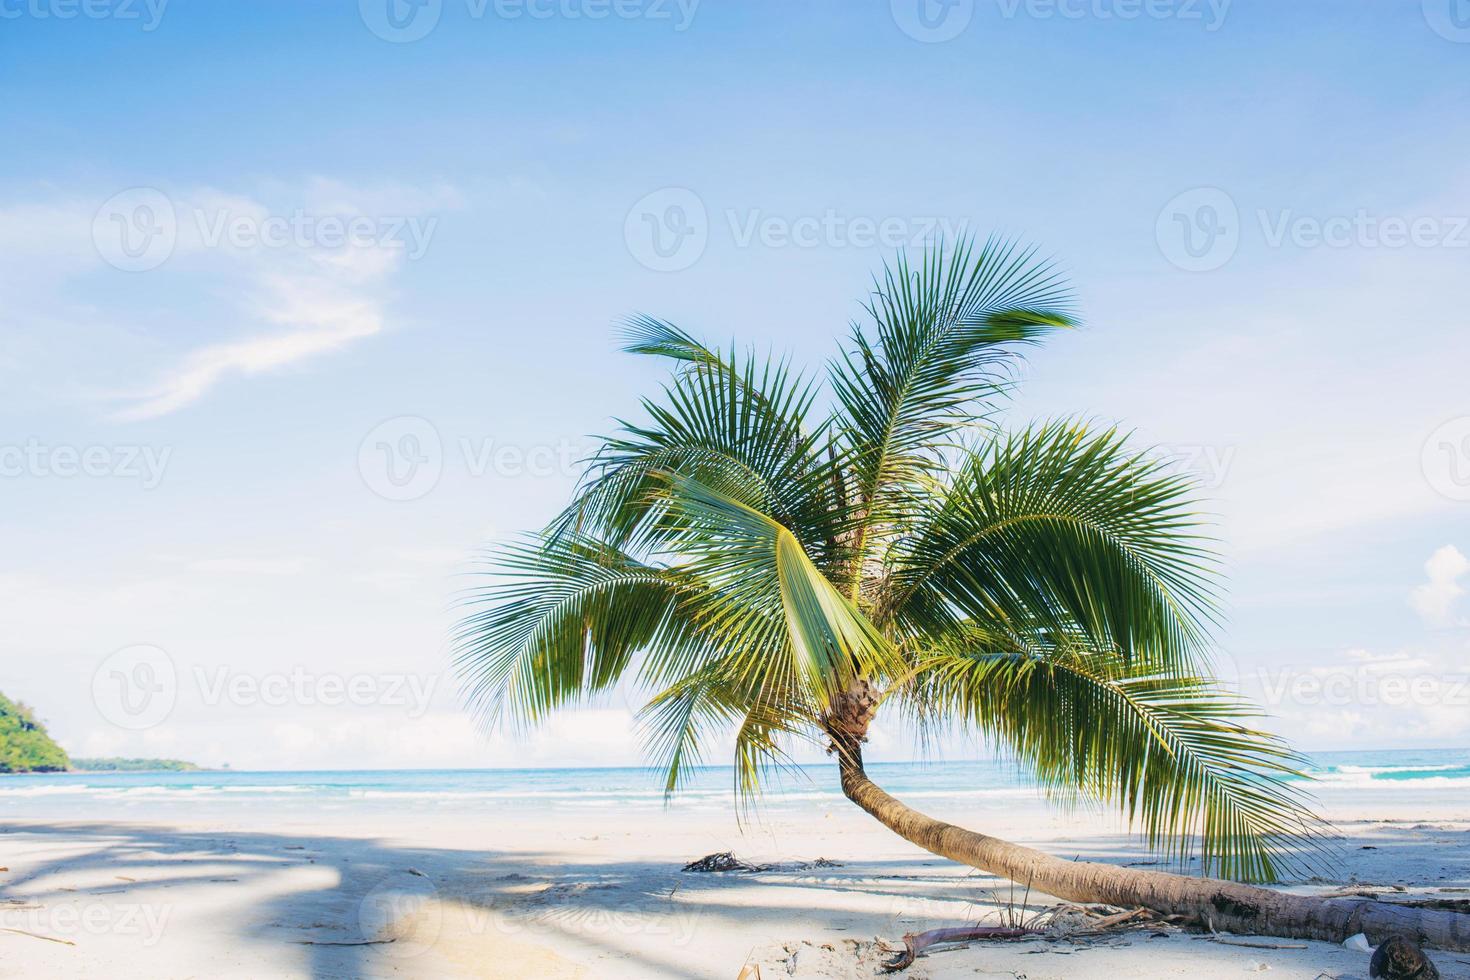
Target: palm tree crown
(762, 545)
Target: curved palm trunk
(1222, 905)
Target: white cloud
(1435, 600)
(317, 301)
(313, 263)
(324, 323)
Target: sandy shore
(601, 894)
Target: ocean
(952, 786)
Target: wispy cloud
(313, 265)
(320, 269)
(322, 317)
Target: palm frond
(564, 619)
(1170, 750)
(719, 698)
(1066, 528)
(945, 335)
(740, 429)
(644, 334)
(759, 585)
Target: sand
(597, 894)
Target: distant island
(133, 765)
(25, 746)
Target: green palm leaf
(1062, 527)
(1169, 750)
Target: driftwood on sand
(916, 943)
(723, 861)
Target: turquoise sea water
(974, 785)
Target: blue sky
(238, 372)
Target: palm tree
(786, 560)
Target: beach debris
(67, 942)
(1398, 958)
(1358, 944)
(915, 943)
(750, 971)
(721, 862)
(1076, 924)
(1252, 945)
(726, 861)
(344, 942)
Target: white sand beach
(601, 894)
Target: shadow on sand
(333, 903)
